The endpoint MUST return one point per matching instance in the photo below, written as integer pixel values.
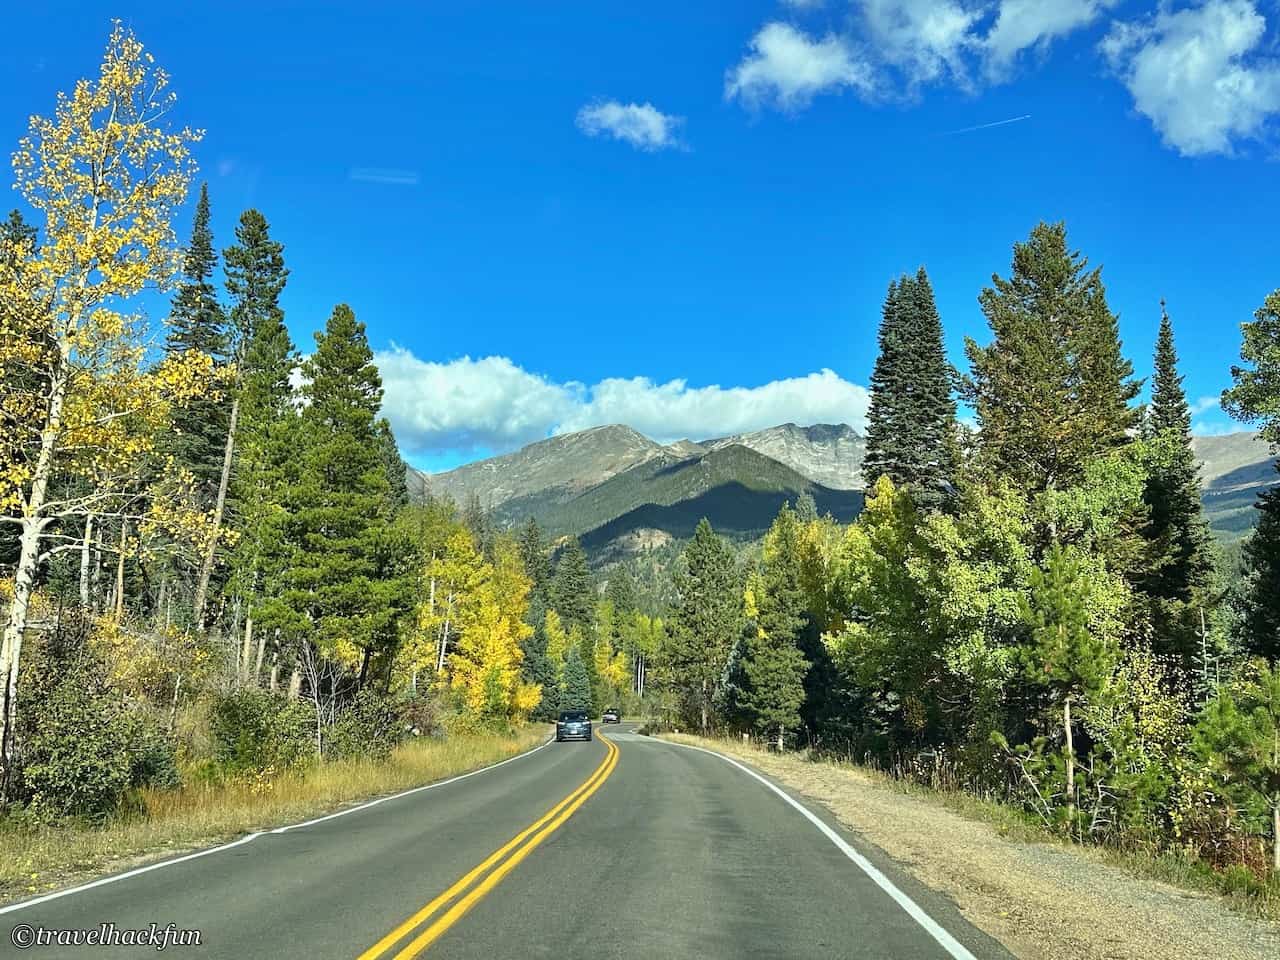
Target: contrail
(985, 126)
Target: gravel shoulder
(1043, 901)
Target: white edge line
(913, 909)
(248, 838)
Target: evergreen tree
(534, 553)
(773, 668)
(884, 417)
(339, 501)
(1255, 398)
(572, 590)
(478, 521)
(707, 623)
(806, 508)
(196, 322)
(1052, 390)
(1259, 624)
(1178, 574)
(912, 417)
(397, 472)
(621, 590)
(576, 694)
(267, 432)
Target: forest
(214, 574)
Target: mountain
(554, 470)
(1235, 468)
(826, 453)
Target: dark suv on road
(573, 725)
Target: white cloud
(803, 4)
(1205, 428)
(399, 178)
(1204, 404)
(1197, 74)
(787, 68)
(1024, 24)
(489, 405)
(642, 125)
(924, 40)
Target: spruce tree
(1255, 398)
(1052, 390)
(265, 453)
(576, 694)
(912, 415)
(339, 500)
(196, 322)
(1259, 626)
(572, 590)
(707, 622)
(621, 591)
(1180, 564)
(397, 472)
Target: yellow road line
(459, 909)
(580, 794)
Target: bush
(370, 727)
(254, 730)
(75, 757)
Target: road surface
(626, 847)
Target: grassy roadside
(1238, 890)
(38, 859)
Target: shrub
(75, 755)
(253, 730)
(370, 727)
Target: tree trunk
(257, 663)
(295, 683)
(1275, 835)
(173, 707)
(246, 650)
(206, 564)
(703, 705)
(1071, 764)
(24, 574)
(274, 683)
(364, 668)
(85, 553)
(119, 604)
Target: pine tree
(1259, 626)
(339, 499)
(912, 415)
(707, 623)
(1051, 390)
(196, 322)
(1255, 398)
(621, 590)
(266, 433)
(397, 472)
(773, 667)
(572, 590)
(576, 694)
(1180, 568)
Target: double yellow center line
(463, 895)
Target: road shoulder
(1038, 899)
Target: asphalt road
(651, 850)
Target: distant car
(611, 716)
(573, 725)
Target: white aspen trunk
(274, 683)
(119, 599)
(257, 663)
(1071, 760)
(246, 648)
(295, 683)
(84, 561)
(206, 564)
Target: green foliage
(1258, 629)
(370, 726)
(911, 421)
(706, 624)
(1237, 738)
(196, 322)
(1255, 395)
(572, 589)
(255, 731)
(576, 691)
(1052, 390)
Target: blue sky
(554, 215)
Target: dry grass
(37, 859)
